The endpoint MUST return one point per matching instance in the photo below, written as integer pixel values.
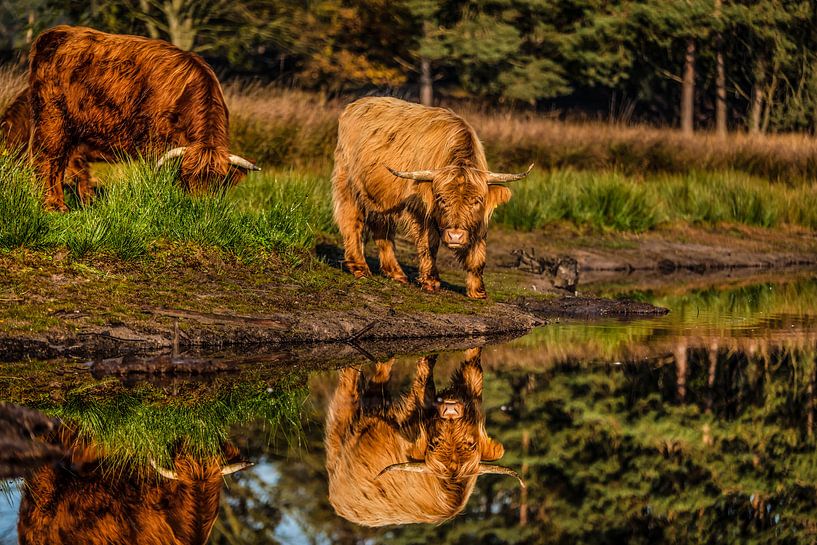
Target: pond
(695, 427)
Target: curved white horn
(166, 473)
(500, 178)
(239, 161)
(411, 467)
(417, 175)
(171, 154)
(232, 468)
(490, 469)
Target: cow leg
(377, 395)
(474, 262)
(79, 170)
(350, 220)
(383, 229)
(469, 374)
(346, 400)
(48, 152)
(421, 394)
(427, 239)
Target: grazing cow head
(204, 168)
(415, 460)
(461, 199)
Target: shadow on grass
(332, 254)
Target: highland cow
(412, 461)
(425, 166)
(15, 131)
(126, 95)
(82, 500)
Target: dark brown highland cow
(126, 95)
(416, 460)
(15, 131)
(425, 166)
(82, 502)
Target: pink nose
(450, 410)
(455, 237)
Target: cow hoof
(361, 274)
(402, 278)
(478, 295)
(56, 206)
(430, 287)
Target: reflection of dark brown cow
(83, 501)
(126, 95)
(15, 131)
(441, 188)
(416, 460)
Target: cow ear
(491, 450)
(497, 194)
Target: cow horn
(166, 473)
(417, 175)
(238, 466)
(489, 469)
(239, 161)
(500, 178)
(412, 467)
(171, 154)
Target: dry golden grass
(12, 81)
(286, 127)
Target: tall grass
(140, 206)
(285, 127)
(133, 426)
(614, 201)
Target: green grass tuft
(23, 222)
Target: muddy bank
(328, 335)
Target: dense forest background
(697, 64)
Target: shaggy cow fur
(124, 95)
(376, 133)
(81, 501)
(366, 434)
(15, 131)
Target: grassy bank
(135, 423)
(282, 212)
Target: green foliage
(133, 426)
(612, 201)
(140, 207)
(23, 222)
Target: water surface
(694, 427)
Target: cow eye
(472, 448)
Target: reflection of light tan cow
(82, 501)
(416, 460)
(441, 187)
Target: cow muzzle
(455, 238)
(450, 409)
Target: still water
(696, 427)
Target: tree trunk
(720, 81)
(30, 29)
(754, 109)
(688, 89)
(426, 84)
(681, 370)
(767, 110)
(153, 32)
(179, 26)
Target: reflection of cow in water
(416, 460)
(84, 501)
